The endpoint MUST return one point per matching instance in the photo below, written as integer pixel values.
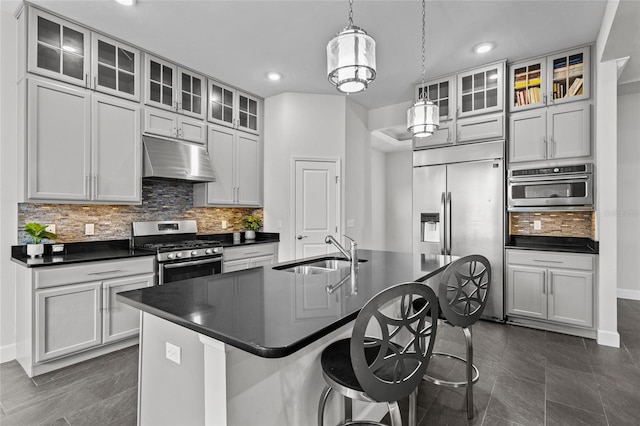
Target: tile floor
(527, 377)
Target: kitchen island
(243, 348)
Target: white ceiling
(239, 41)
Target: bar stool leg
(394, 414)
(413, 404)
(323, 402)
(469, 342)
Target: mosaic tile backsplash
(161, 200)
(557, 224)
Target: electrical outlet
(537, 225)
(173, 353)
(89, 229)
(51, 228)
(223, 224)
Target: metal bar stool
(373, 365)
(462, 297)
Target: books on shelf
(576, 87)
(527, 96)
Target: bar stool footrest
(442, 382)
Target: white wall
(628, 195)
(8, 173)
(378, 200)
(399, 201)
(297, 125)
(357, 182)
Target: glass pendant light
(351, 58)
(423, 117)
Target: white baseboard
(609, 338)
(624, 293)
(7, 353)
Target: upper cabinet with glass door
(481, 90)
(115, 68)
(173, 88)
(58, 49)
(550, 80)
(232, 108)
(442, 93)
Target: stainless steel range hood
(169, 159)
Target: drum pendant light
(423, 118)
(351, 58)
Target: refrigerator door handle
(448, 237)
(443, 225)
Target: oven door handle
(569, 178)
(191, 263)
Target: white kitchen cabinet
(81, 146)
(57, 48)
(550, 80)
(171, 87)
(557, 132)
(164, 123)
(74, 312)
(552, 287)
(249, 256)
(120, 321)
(115, 67)
(481, 90)
(67, 320)
(233, 108)
(237, 164)
(483, 127)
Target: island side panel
(170, 394)
(273, 391)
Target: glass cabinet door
(247, 113)
(569, 75)
(58, 49)
(480, 91)
(221, 104)
(527, 84)
(160, 83)
(115, 68)
(440, 92)
(191, 94)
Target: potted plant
(251, 224)
(37, 232)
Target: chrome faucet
(353, 249)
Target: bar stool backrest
(464, 290)
(390, 344)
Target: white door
(317, 206)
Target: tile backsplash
(161, 200)
(557, 224)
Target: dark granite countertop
(227, 239)
(273, 313)
(561, 244)
(78, 253)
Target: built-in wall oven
(179, 253)
(561, 187)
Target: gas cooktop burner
(181, 245)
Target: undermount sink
(317, 266)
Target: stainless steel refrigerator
(459, 208)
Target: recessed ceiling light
(483, 47)
(274, 76)
(127, 2)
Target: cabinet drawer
(489, 126)
(93, 271)
(248, 251)
(551, 260)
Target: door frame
(339, 204)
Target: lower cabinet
(74, 312)
(552, 287)
(251, 256)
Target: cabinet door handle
(544, 98)
(105, 299)
(86, 80)
(105, 272)
(95, 185)
(88, 185)
(95, 82)
(550, 283)
(548, 261)
(544, 282)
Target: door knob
(301, 237)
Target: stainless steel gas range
(180, 254)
